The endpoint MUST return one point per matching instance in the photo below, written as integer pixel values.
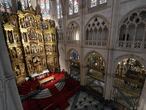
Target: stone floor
(84, 101)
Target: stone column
(111, 43)
(142, 100)
(10, 99)
(82, 65)
(64, 5)
(2, 92)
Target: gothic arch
(97, 31)
(95, 71)
(74, 63)
(69, 51)
(132, 29)
(97, 16)
(73, 32)
(120, 58)
(73, 23)
(85, 58)
(137, 10)
(129, 78)
(95, 63)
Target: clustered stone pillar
(9, 96)
(82, 66)
(111, 43)
(64, 29)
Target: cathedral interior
(72, 54)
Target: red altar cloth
(59, 99)
(33, 84)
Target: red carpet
(59, 99)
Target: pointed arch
(132, 29)
(100, 24)
(74, 63)
(73, 31)
(129, 78)
(95, 66)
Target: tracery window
(132, 32)
(76, 6)
(94, 3)
(73, 6)
(96, 32)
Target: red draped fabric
(59, 99)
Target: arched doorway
(128, 82)
(95, 72)
(74, 64)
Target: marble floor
(84, 101)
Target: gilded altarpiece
(14, 47)
(32, 40)
(32, 43)
(50, 40)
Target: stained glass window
(93, 3)
(102, 1)
(74, 56)
(59, 9)
(70, 7)
(45, 8)
(73, 6)
(76, 6)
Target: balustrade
(73, 42)
(95, 43)
(131, 44)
